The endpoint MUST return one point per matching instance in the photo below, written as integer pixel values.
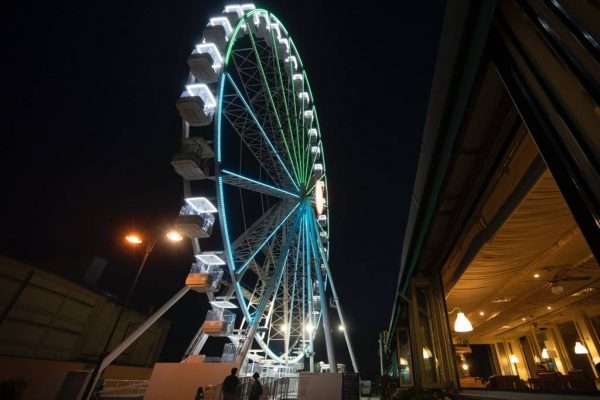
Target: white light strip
(210, 258)
(223, 304)
(201, 205)
(293, 60)
(212, 50)
(234, 8)
(201, 90)
(224, 22)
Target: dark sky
(90, 125)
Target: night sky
(90, 126)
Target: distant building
(51, 321)
(499, 282)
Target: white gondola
(323, 236)
(304, 99)
(197, 105)
(274, 35)
(318, 171)
(219, 322)
(298, 81)
(216, 34)
(261, 25)
(316, 303)
(322, 219)
(313, 135)
(224, 23)
(315, 151)
(291, 65)
(206, 63)
(195, 219)
(204, 278)
(283, 48)
(192, 162)
(308, 117)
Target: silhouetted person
(199, 394)
(256, 389)
(230, 385)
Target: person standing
(256, 389)
(230, 385)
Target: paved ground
(499, 395)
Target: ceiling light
(465, 367)
(481, 313)
(545, 354)
(523, 319)
(514, 359)
(549, 308)
(426, 353)
(536, 275)
(462, 323)
(583, 292)
(580, 348)
(503, 299)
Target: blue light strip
(261, 130)
(260, 184)
(275, 281)
(230, 264)
(314, 244)
(242, 269)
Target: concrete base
(180, 381)
(314, 386)
(44, 378)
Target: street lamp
(134, 239)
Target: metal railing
(123, 388)
(273, 389)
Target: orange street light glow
(174, 236)
(133, 238)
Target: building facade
(50, 326)
(503, 232)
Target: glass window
(404, 358)
(429, 354)
(580, 361)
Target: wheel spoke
(248, 132)
(273, 107)
(281, 93)
(277, 274)
(255, 243)
(233, 179)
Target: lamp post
(134, 239)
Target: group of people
(230, 387)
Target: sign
(350, 386)
(313, 386)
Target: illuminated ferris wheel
(268, 279)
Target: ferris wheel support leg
(324, 310)
(110, 357)
(247, 344)
(339, 309)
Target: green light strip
(294, 95)
(266, 85)
(287, 111)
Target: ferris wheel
(267, 278)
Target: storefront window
(404, 359)
(429, 354)
(580, 360)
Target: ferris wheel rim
(220, 173)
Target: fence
(273, 389)
(123, 388)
